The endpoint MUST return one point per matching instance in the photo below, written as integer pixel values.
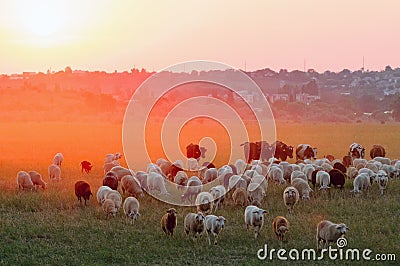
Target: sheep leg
(215, 238)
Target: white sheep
(290, 198)
(178, 163)
(361, 182)
(240, 166)
(142, 178)
(109, 208)
(307, 170)
(235, 182)
(210, 175)
(181, 180)
(257, 168)
(37, 179)
(329, 232)
(194, 187)
(131, 209)
(204, 202)
(326, 167)
(58, 159)
(193, 164)
(102, 193)
(391, 171)
(155, 181)
(152, 167)
(254, 216)
(218, 193)
(369, 172)
(260, 179)
(323, 180)
(54, 172)
(321, 161)
(302, 187)
(372, 166)
(115, 197)
(352, 172)
(131, 185)
(255, 193)
(122, 171)
(382, 179)
(383, 160)
(24, 181)
(359, 161)
(194, 224)
(108, 166)
(214, 225)
(275, 174)
(112, 157)
(298, 174)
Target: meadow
(50, 227)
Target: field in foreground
(50, 227)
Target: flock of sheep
(244, 184)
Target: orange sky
(118, 35)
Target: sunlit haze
(120, 35)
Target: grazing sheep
(254, 216)
(131, 185)
(338, 179)
(180, 180)
(240, 166)
(86, 166)
(329, 232)
(352, 172)
(358, 161)
(240, 197)
(236, 181)
(111, 180)
(204, 202)
(164, 166)
(102, 193)
(37, 179)
(280, 225)
(131, 209)
(173, 170)
(82, 190)
(115, 197)
(210, 175)
(24, 181)
(307, 170)
(319, 162)
(193, 164)
(382, 179)
(302, 187)
(218, 193)
(214, 225)
(323, 180)
(109, 208)
(142, 178)
(370, 173)
(155, 181)
(298, 174)
(108, 166)
(58, 159)
(390, 170)
(194, 223)
(112, 157)
(121, 171)
(361, 182)
(154, 168)
(54, 172)
(259, 179)
(255, 194)
(193, 189)
(372, 166)
(290, 198)
(276, 174)
(326, 167)
(383, 160)
(169, 222)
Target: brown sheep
(168, 222)
(111, 180)
(240, 197)
(280, 225)
(131, 185)
(82, 189)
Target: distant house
(278, 97)
(246, 95)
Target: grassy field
(50, 227)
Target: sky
(120, 35)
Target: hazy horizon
(109, 36)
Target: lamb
(382, 179)
(302, 186)
(290, 198)
(298, 174)
(255, 194)
(218, 193)
(254, 216)
(131, 209)
(329, 232)
(54, 172)
(280, 225)
(323, 180)
(112, 157)
(37, 179)
(155, 181)
(352, 172)
(276, 174)
(169, 222)
(194, 224)
(58, 159)
(337, 178)
(109, 208)
(204, 202)
(214, 225)
(180, 180)
(193, 164)
(82, 190)
(102, 193)
(111, 180)
(361, 182)
(210, 175)
(370, 173)
(240, 197)
(115, 197)
(131, 185)
(24, 181)
(193, 188)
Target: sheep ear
(265, 211)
